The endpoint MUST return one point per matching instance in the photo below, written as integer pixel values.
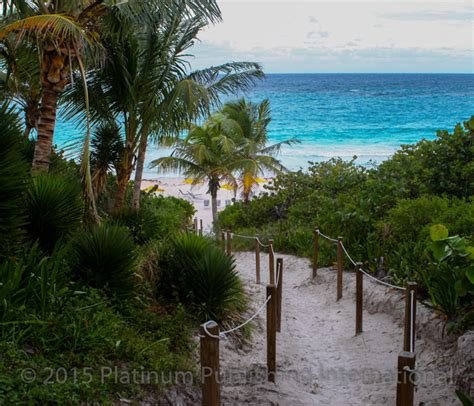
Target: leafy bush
(450, 275)
(157, 217)
(202, 277)
(32, 284)
(54, 208)
(104, 258)
(384, 214)
(13, 181)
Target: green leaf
(441, 250)
(438, 232)
(470, 252)
(470, 274)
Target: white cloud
(333, 36)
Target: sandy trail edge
(319, 360)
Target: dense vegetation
(385, 215)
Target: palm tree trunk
(124, 173)
(139, 172)
(214, 208)
(46, 124)
(54, 77)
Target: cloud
(349, 57)
(430, 15)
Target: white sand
(319, 360)
(195, 194)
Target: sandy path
(319, 360)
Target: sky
(342, 36)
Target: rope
(326, 237)
(355, 263)
(222, 334)
(381, 282)
(348, 256)
(249, 237)
(412, 324)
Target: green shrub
(13, 181)
(201, 276)
(34, 286)
(450, 276)
(105, 258)
(54, 208)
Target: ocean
(347, 115)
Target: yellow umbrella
(153, 188)
(260, 180)
(226, 186)
(189, 181)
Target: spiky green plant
(54, 209)
(104, 258)
(13, 179)
(201, 276)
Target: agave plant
(201, 276)
(104, 258)
(13, 180)
(54, 209)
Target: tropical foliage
(384, 215)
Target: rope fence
(211, 333)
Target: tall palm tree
(208, 153)
(185, 100)
(257, 156)
(62, 31)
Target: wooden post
(257, 260)
(195, 225)
(271, 262)
(223, 241)
(359, 297)
(271, 333)
(406, 378)
(315, 251)
(410, 317)
(340, 259)
(229, 243)
(279, 291)
(210, 365)
(200, 227)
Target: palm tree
(257, 156)
(63, 30)
(144, 84)
(208, 153)
(188, 99)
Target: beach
(197, 195)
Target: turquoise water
(368, 115)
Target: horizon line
(369, 73)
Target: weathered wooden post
(410, 317)
(223, 241)
(406, 378)
(229, 242)
(279, 291)
(271, 262)
(315, 251)
(200, 227)
(271, 332)
(340, 260)
(359, 297)
(209, 344)
(195, 225)
(257, 260)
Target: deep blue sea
(367, 115)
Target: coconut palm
(189, 98)
(63, 30)
(144, 83)
(258, 157)
(208, 153)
